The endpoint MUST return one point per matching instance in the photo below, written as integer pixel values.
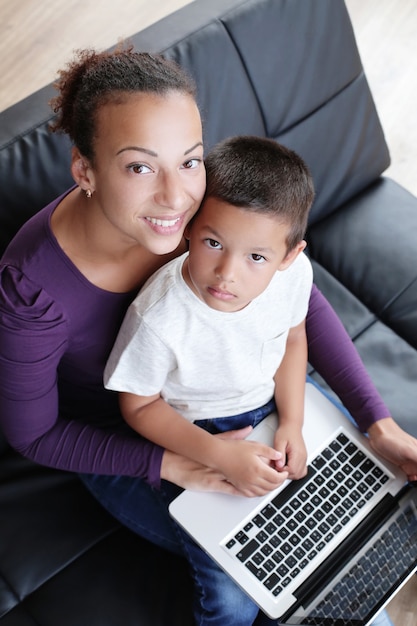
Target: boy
(220, 331)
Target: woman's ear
(81, 171)
(292, 255)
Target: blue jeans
(143, 509)
(218, 601)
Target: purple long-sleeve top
(56, 332)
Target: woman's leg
(218, 600)
(136, 505)
(383, 619)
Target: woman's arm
(34, 337)
(332, 353)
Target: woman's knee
(137, 506)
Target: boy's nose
(226, 270)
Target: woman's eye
(191, 164)
(139, 168)
(257, 258)
(212, 243)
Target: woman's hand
(192, 475)
(189, 474)
(392, 443)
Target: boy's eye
(257, 258)
(139, 168)
(212, 243)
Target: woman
(70, 273)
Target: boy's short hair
(261, 175)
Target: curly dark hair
(93, 79)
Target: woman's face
(148, 177)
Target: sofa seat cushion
(71, 554)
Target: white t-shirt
(206, 363)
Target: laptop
(330, 549)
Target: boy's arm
(245, 464)
(290, 380)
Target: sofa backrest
(286, 69)
(290, 70)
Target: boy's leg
(252, 418)
(218, 600)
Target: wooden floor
(386, 32)
(37, 38)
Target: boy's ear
(292, 255)
(81, 171)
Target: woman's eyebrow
(155, 154)
(138, 149)
(199, 143)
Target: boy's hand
(289, 442)
(250, 466)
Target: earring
(88, 193)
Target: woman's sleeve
(33, 335)
(333, 355)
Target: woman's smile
(166, 226)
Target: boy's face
(234, 253)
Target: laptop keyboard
(367, 582)
(282, 539)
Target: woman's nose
(171, 192)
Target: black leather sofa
(288, 70)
